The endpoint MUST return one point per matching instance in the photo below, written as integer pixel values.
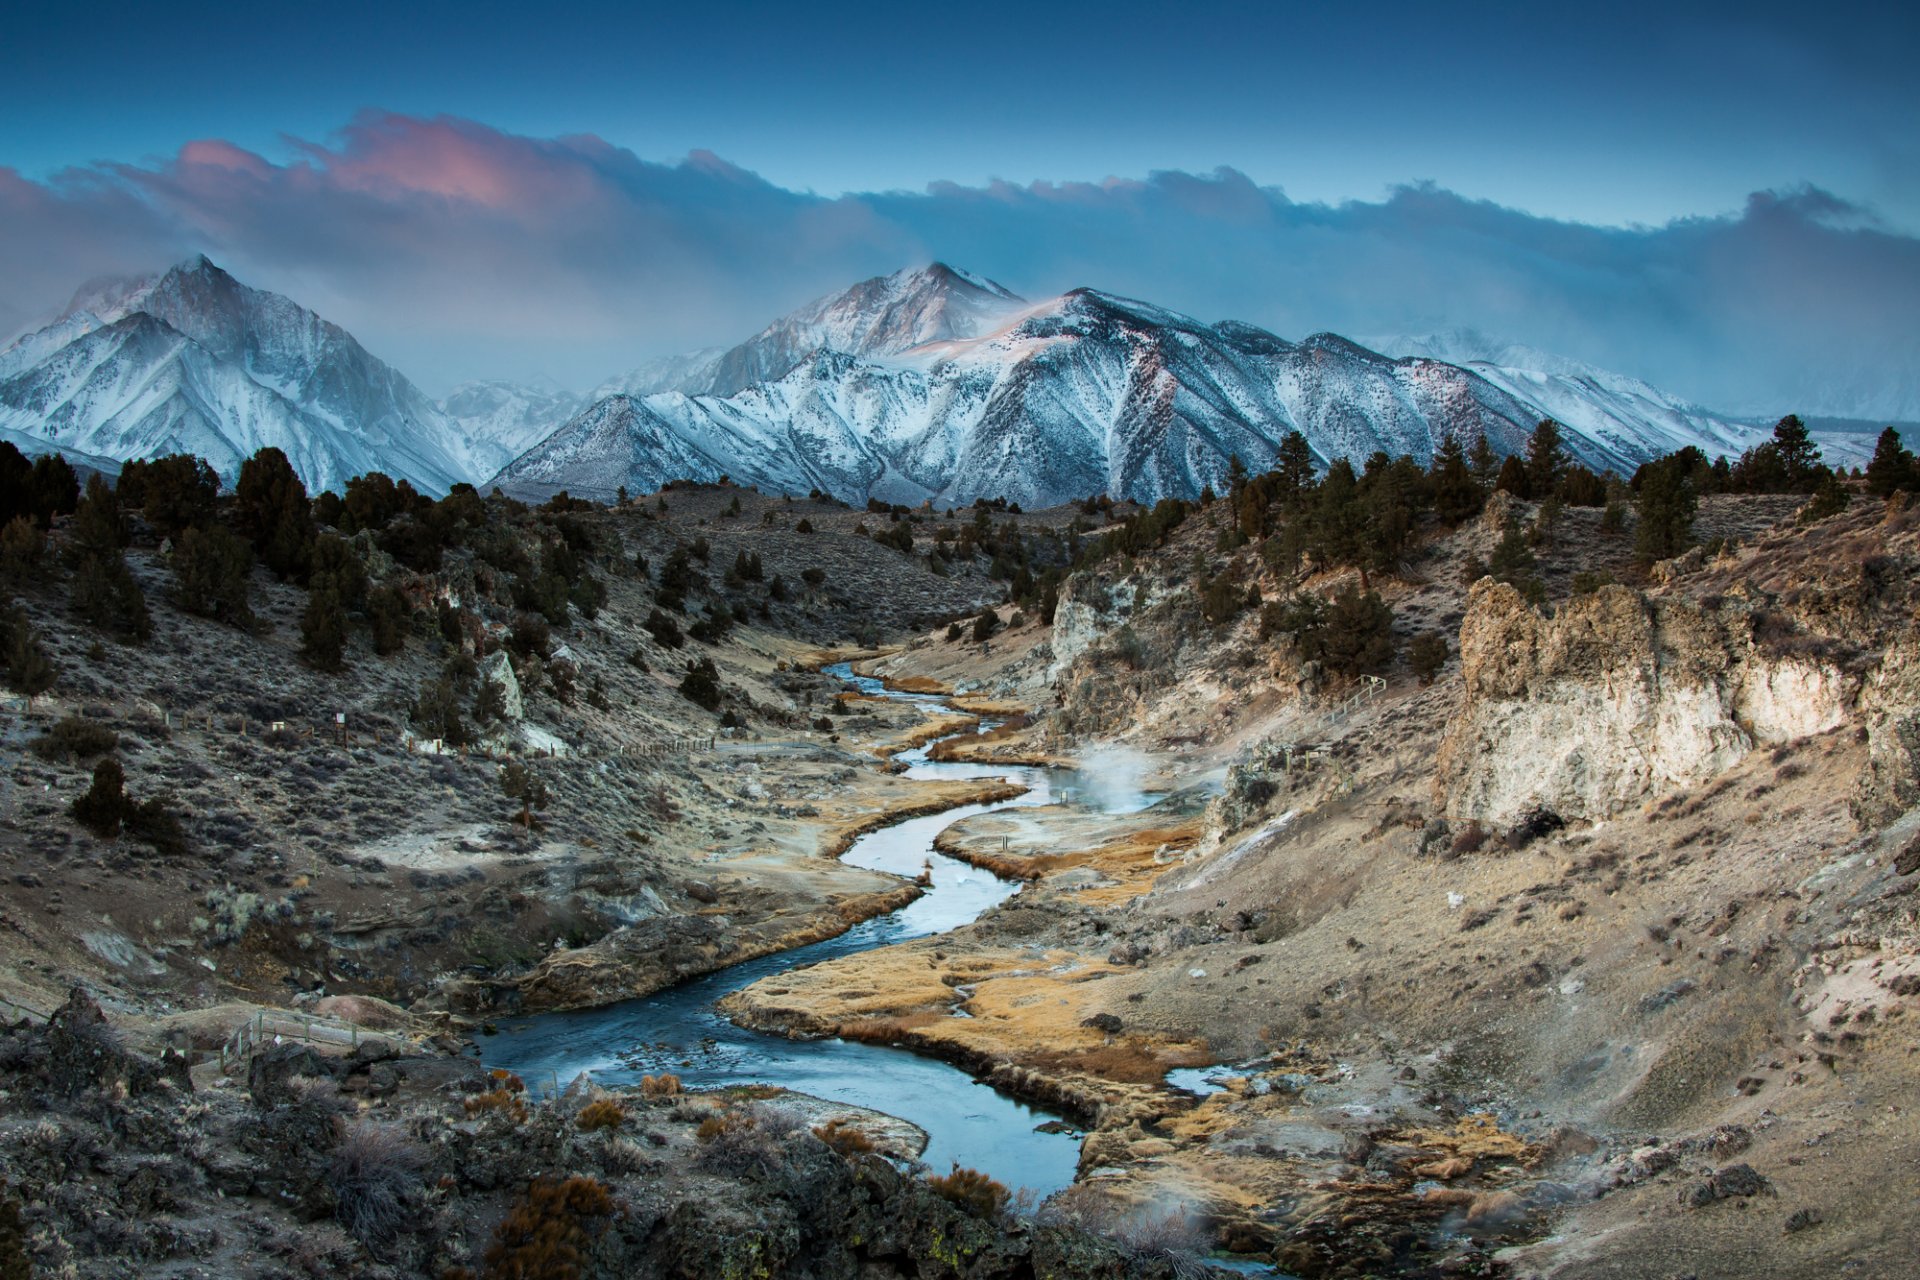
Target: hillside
(1440, 881)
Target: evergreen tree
(1667, 506)
(1892, 466)
(436, 712)
(105, 595)
(29, 670)
(16, 473)
(175, 493)
(1546, 458)
(104, 806)
(98, 529)
(211, 568)
(1829, 499)
(1513, 478)
(53, 489)
(388, 612)
(323, 631)
(1356, 636)
(1293, 463)
(1513, 564)
(1339, 521)
(1799, 455)
(1456, 497)
(271, 508)
(1427, 655)
(335, 566)
(23, 550)
(1484, 464)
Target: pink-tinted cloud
(458, 250)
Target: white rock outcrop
(1614, 699)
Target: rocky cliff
(1615, 698)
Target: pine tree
(323, 631)
(1892, 466)
(104, 806)
(23, 549)
(1829, 499)
(1484, 463)
(1293, 463)
(29, 669)
(1339, 521)
(98, 529)
(1513, 564)
(1546, 459)
(1667, 505)
(211, 568)
(1513, 478)
(106, 596)
(387, 613)
(1799, 455)
(1456, 498)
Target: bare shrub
(733, 1143)
(970, 1190)
(844, 1138)
(1472, 838)
(601, 1113)
(547, 1233)
(660, 1086)
(373, 1168)
(1147, 1234)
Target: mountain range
(932, 383)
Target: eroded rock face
(1890, 708)
(1613, 699)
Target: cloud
(457, 250)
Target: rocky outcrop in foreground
(377, 1164)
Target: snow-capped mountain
(663, 373)
(194, 361)
(961, 390)
(884, 316)
(502, 420)
(1631, 416)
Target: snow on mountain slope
(663, 373)
(192, 360)
(884, 316)
(1087, 393)
(502, 420)
(1629, 416)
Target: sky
(494, 190)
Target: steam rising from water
(1111, 778)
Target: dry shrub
(971, 1190)
(75, 738)
(1146, 1234)
(601, 1113)
(505, 1098)
(373, 1168)
(736, 1144)
(1472, 838)
(660, 1086)
(844, 1138)
(548, 1233)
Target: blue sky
(1723, 203)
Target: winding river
(679, 1031)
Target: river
(679, 1031)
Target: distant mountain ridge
(193, 361)
(926, 384)
(936, 384)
